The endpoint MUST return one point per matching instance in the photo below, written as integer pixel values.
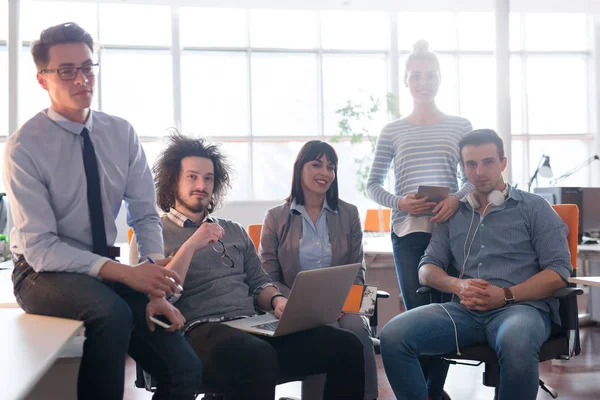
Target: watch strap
(276, 295)
(509, 298)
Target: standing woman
(424, 149)
(315, 229)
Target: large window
(550, 95)
(264, 81)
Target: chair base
(548, 389)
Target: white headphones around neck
(495, 197)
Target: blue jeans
(516, 333)
(408, 250)
(115, 324)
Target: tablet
(434, 193)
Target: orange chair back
(129, 235)
(254, 231)
(372, 220)
(569, 213)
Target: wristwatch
(509, 297)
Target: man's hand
(479, 295)
(412, 205)
(207, 234)
(279, 304)
(154, 279)
(160, 306)
(445, 209)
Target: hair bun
(421, 47)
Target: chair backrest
(569, 213)
(372, 220)
(254, 230)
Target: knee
(113, 320)
(256, 360)
(393, 332)
(398, 335)
(191, 373)
(357, 325)
(517, 352)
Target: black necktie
(94, 196)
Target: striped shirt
(512, 243)
(422, 155)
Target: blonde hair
(421, 52)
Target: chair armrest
(382, 294)
(424, 290)
(567, 292)
(568, 309)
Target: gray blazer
(280, 242)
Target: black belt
(113, 252)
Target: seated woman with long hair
(315, 229)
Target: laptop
(316, 299)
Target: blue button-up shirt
(46, 185)
(315, 247)
(514, 241)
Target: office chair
(564, 340)
(254, 231)
(372, 220)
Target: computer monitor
(586, 199)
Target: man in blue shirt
(511, 253)
(67, 170)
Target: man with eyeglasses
(67, 170)
(224, 280)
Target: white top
(422, 155)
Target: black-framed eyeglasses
(226, 260)
(70, 73)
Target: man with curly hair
(224, 280)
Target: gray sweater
(212, 290)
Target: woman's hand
(412, 205)
(445, 209)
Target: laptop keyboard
(270, 326)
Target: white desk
(587, 253)
(586, 280)
(7, 297)
(30, 344)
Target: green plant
(355, 123)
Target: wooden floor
(577, 379)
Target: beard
(194, 207)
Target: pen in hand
(151, 261)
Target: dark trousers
(247, 366)
(408, 251)
(115, 324)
